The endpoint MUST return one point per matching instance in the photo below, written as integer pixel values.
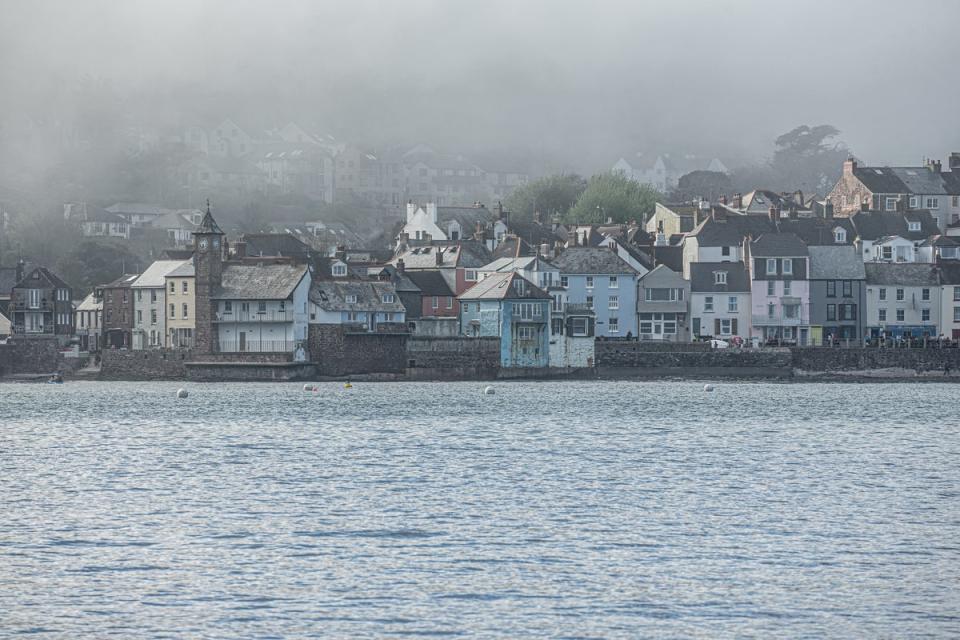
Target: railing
(19, 329)
(43, 305)
(254, 316)
(259, 346)
(778, 319)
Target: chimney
(239, 249)
(544, 249)
(772, 214)
(536, 216)
(340, 253)
(572, 238)
(432, 212)
(737, 201)
(849, 166)
(439, 255)
(828, 210)
(723, 199)
(953, 162)
(19, 272)
(411, 210)
(400, 266)
(864, 206)
(933, 165)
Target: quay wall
(827, 359)
(30, 356)
(340, 353)
(452, 358)
(149, 364)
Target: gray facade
(838, 295)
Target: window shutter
(716, 326)
(569, 327)
(733, 326)
(591, 326)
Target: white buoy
(708, 387)
(308, 387)
(182, 393)
(489, 391)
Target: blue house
(601, 279)
(508, 306)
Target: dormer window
(914, 202)
(387, 298)
(914, 225)
(339, 270)
(788, 267)
(839, 235)
(350, 298)
(720, 277)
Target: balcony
(21, 330)
(43, 305)
(778, 320)
(254, 316)
(260, 346)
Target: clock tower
(208, 248)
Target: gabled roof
(155, 275)
(778, 245)
(940, 241)
(43, 274)
(331, 295)
(94, 214)
(208, 224)
(950, 273)
(259, 282)
(8, 278)
(466, 254)
(430, 283)
(185, 270)
(504, 286)
(904, 274)
(591, 260)
(836, 263)
(725, 229)
(818, 231)
(871, 225)
(123, 282)
(513, 247)
(911, 180)
(275, 244)
(90, 303)
(138, 208)
(702, 277)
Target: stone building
(117, 328)
(41, 305)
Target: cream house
(148, 304)
(180, 305)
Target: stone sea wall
(149, 364)
(826, 359)
(30, 356)
(453, 358)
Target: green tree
(809, 159)
(97, 261)
(702, 184)
(613, 195)
(551, 195)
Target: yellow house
(181, 304)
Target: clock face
(203, 243)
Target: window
(261, 306)
(883, 293)
(831, 289)
(956, 293)
(899, 295)
(788, 266)
(139, 317)
(900, 315)
(720, 277)
(339, 269)
(771, 266)
(173, 287)
(725, 327)
(185, 311)
(725, 252)
(925, 315)
(669, 326)
(847, 289)
(732, 304)
(887, 253)
(173, 310)
(388, 298)
(350, 298)
(882, 315)
(840, 236)
(614, 282)
(153, 316)
(786, 287)
(435, 303)
(925, 295)
(891, 204)
(185, 286)
(470, 275)
(614, 302)
(590, 301)
(153, 296)
(914, 202)
(589, 282)
(956, 314)
(771, 288)
(933, 203)
(831, 312)
(228, 306)
(663, 295)
(283, 306)
(613, 326)
(564, 281)
(139, 295)
(449, 302)
(914, 225)
(848, 312)
(579, 326)
(525, 332)
(771, 310)
(708, 304)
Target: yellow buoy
(348, 386)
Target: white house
(149, 306)
(430, 222)
(894, 249)
(903, 299)
(719, 299)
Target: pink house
(779, 266)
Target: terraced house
(780, 291)
(149, 309)
(607, 284)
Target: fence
(260, 346)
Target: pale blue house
(508, 306)
(598, 277)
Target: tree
(551, 195)
(809, 159)
(613, 195)
(709, 185)
(97, 261)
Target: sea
(542, 510)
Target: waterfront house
(779, 289)
(458, 263)
(949, 274)
(903, 299)
(150, 311)
(358, 306)
(672, 219)
(883, 228)
(719, 236)
(180, 286)
(433, 309)
(662, 306)
(89, 321)
(605, 282)
(719, 300)
(837, 295)
(117, 313)
(508, 306)
(41, 305)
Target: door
(803, 337)
(243, 341)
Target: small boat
(55, 379)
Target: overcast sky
(583, 80)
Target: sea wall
(452, 358)
(341, 353)
(827, 359)
(30, 356)
(148, 364)
(644, 360)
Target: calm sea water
(549, 509)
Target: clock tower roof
(208, 224)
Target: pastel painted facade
(903, 299)
(599, 278)
(181, 314)
(779, 289)
(837, 295)
(149, 306)
(719, 300)
(662, 298)
(950, 301)
(572, 338)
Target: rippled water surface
(548, 509)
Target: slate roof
(259, 282)
(467, 217)
(513, 247)
(836, 263)
(591, 260)
(430, 283)
(904, 274)
(45, 274)
(155, 275)
(818, 231)
(778, 245)
(518, 264)
(535, 233)
(950, 273)
(912, 180)
(8, 278)
(208, 224)
(93, 214)
(123, 282)
(940, 241)
(275, 244)
(504, 286)
(331, 295)
(185, 270)
(703, 280)
(138, 208)
(728, 229)
(466, 254)
(90, 303)
(871, 225)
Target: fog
(574, 85)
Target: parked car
(719, 344)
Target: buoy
(316, 390)
(182, 393)
(308, 387)
(708, 387)
(348, 386)
(489, 391)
